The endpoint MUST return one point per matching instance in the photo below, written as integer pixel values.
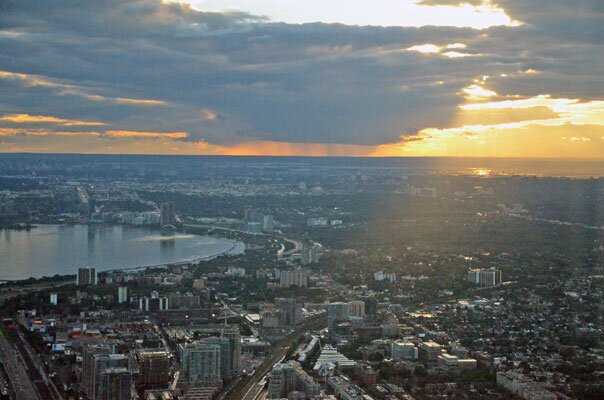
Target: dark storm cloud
(230, 77)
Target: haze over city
(301, 200)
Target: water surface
(60, 249)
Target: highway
(297, 247)
(21, 386)
(282, 253)
(35, 370)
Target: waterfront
(60, 249)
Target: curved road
(297, 244)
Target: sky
(498, 78)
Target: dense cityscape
(347, 279)
(301, 200)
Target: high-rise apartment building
(336, 312)
(153, 304)
(88, 365)
(107, 376)
(226, 356)
(232, 333)
(296, 277)
(154, 368)
(168, 214)
(122, 294)
(86, 276)
(282, 381)
(485, 277)
(310, 254)
(371, 308)
(115, 383)
(200, 362)
(356, 309)
(286, 378)
(287, 311)
(267, 223)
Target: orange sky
(486, 125)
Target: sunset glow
(394, 78)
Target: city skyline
(486, 78)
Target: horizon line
(306, 156)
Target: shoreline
(64, 277)
(193, 261)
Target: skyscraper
(297, 277)
(227, 338)
(286, 378)
(88, 366)
(336, 312)
(287, 310)
(122, 294)
(86, 276)
(232, 333)
(310, 254)
(153, 304)
(485, 277)
(168, 214)
(282, 381)
(154, 368)
(200, 362)
(267, 223)
(356, 309)
(115, 383)
(226, 356)
(107, 376)
(371, 306)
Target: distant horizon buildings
(86, 276)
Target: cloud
(234, 79)
(34, 81)
(425, 48)
(155, 135)
(476, 92)
(5, 132)
(36, 119)
(479, 15)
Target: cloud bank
(229, 81)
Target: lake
(60, 249)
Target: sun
(481, 172)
